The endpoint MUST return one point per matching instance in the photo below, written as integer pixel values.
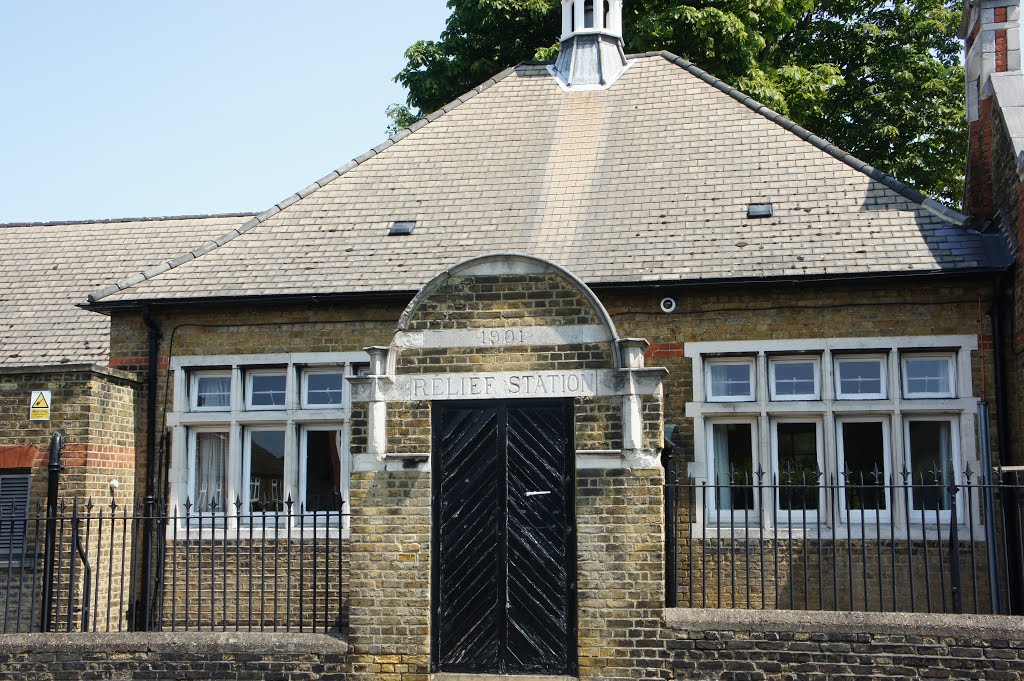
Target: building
(451, 376)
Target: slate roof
(648, 181)
(47, 269)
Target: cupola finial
(591, 56)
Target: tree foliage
(881, 79)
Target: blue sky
(116, 108)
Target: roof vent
(402, 227)
(759, 209)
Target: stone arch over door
(510, 326)
(513, 331)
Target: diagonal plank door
(504, 584)
(540, 607)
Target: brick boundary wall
(194, 656)
(764, 644)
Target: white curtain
(211, 454)
(215, 391)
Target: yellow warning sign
(39, 407)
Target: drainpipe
(1014, 569)
(143, 619)
(999, 367)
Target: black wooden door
(504, 572)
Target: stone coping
(1004, 627)
(181, 643)
(98, 369)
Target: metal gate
(504, 583)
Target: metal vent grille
(402, 228)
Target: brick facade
(735, 645)
(388, 575)
(776, 313)
(95, 407)
(197, 656)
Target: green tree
(879, 78)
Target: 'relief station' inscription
(503, 385)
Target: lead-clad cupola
(591, 56)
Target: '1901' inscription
(500, 385)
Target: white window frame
(782, 515)
(926, 515)
(962, 408)
(815, 362)
(731, 361)
(738, 518)
(839, 360)
(306, 372)
(855, 516)
(950, 373)
(182, 420)
(194, 390)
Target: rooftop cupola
(591, 56)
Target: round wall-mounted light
(668, 305)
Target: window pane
(864, 454)
(798, 466)
(323, 389)
(927, 375)
(860, 377)
(931, 463)
(267, 390)
(734, 466)
(323, 471)
(266, 470)
(794, 378)
(730, 380)
(211, 459)
(213, 391)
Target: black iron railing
(859, 541)
(240, 569)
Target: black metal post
(144, 620)
(76, 547)
(954, 550)
(1013, 538)
(54, 468)
(672, 544)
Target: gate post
(954, 551)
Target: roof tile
(648, 180)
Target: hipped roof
(647, 181)
(46, 268)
